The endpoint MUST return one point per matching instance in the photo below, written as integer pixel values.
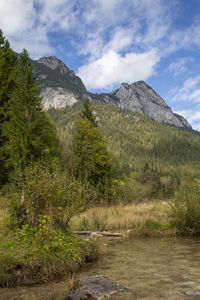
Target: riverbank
(32, 255)
(143, 219)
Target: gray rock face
(57, 97)
(142, 98)
(60, 87)
(94, 287)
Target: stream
(151, 268)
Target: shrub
(34, 256)
(153, 228)
(185, 211)
(52, 199)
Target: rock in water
(94, 287)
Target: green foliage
(15, 211)
(148, 158)
(30, 133)
(132, 190)
(185, 211)
(90, 149)
(44, 198)
(87, 113)
(52, 199)
(134, 140)
(152, 228)
(35, 256)
(7, 75)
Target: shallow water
(152, 269)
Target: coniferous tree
(87, 113)
(7, 75)
(90, 149)
(30, 133)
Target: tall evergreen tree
(7, 75)
(90, 149)
(30, 133)
(87, 113)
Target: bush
(34, 256)
(153, 228)
(185, 211)
(15, 210)
(51, 199)
(132, 190)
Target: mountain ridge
(60, 87)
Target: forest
(149, 159)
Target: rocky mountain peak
(124, 85)
(60, 87)
(140, 97)
(53, 63)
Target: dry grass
(3, 213)
(121, 217)
(3, 209)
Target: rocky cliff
(60, 87)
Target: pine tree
(7, 75)
(87, 112)
(90, 149)
(30, 133)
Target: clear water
(151, 269)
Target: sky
(107, 42)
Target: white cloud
(121, 39)
(95, 26)
(16, 15)
(113, 68)
(27, 23)
(189, 95)
(179, 66)
(187, 38)
(189, 92)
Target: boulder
(94, 287)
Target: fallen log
(98, 233)
(111, 234)
(86, 232)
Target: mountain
(60, 87)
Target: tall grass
(121, 217)
(3, 215)
(185, 210)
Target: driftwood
(114, 234)
(87, 232)
(98, 233)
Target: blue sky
(107, 42)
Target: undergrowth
(34, 256)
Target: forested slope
(135, 140)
